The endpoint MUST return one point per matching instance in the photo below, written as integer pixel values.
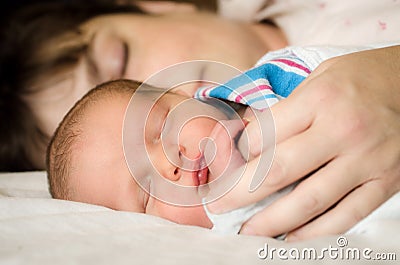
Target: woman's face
(136, 46)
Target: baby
(87, 161)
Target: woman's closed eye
(125, 60)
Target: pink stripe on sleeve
(293, 64)
(251, 91)
(204, 92)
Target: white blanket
(35, 229)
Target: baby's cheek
(181, 215)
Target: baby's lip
(200, 176)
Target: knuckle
(329, 62)
(356, 215)
(325, 65)
(325, 93)
(312, 203)
(384, 187)
(277, 174)
(255, 148)
(352, 128)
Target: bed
(36, 229)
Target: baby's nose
(191, 163)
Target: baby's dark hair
(24, 34)
(60, 149)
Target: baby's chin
(196, 216)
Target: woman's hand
(341, 128)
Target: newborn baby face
(176, 131)
(186, 140)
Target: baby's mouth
(200, 176)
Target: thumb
(220, 150)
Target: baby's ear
(163, 7)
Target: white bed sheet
(35, 229)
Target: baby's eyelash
(163, 124)
(162, 128)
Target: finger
(290, 164)
(299, 156)
(290, 155)
(296, 113)
(258, 135)
(231, 127)
(310, 198)
(220, 143)
(284, 117)
(348, 212)
(233, 190)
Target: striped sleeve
(263, 85)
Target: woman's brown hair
(23, 33)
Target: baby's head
(86, 162)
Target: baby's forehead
(143, 91)
(144, 100)
(117, 96)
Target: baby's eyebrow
(154, 92)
